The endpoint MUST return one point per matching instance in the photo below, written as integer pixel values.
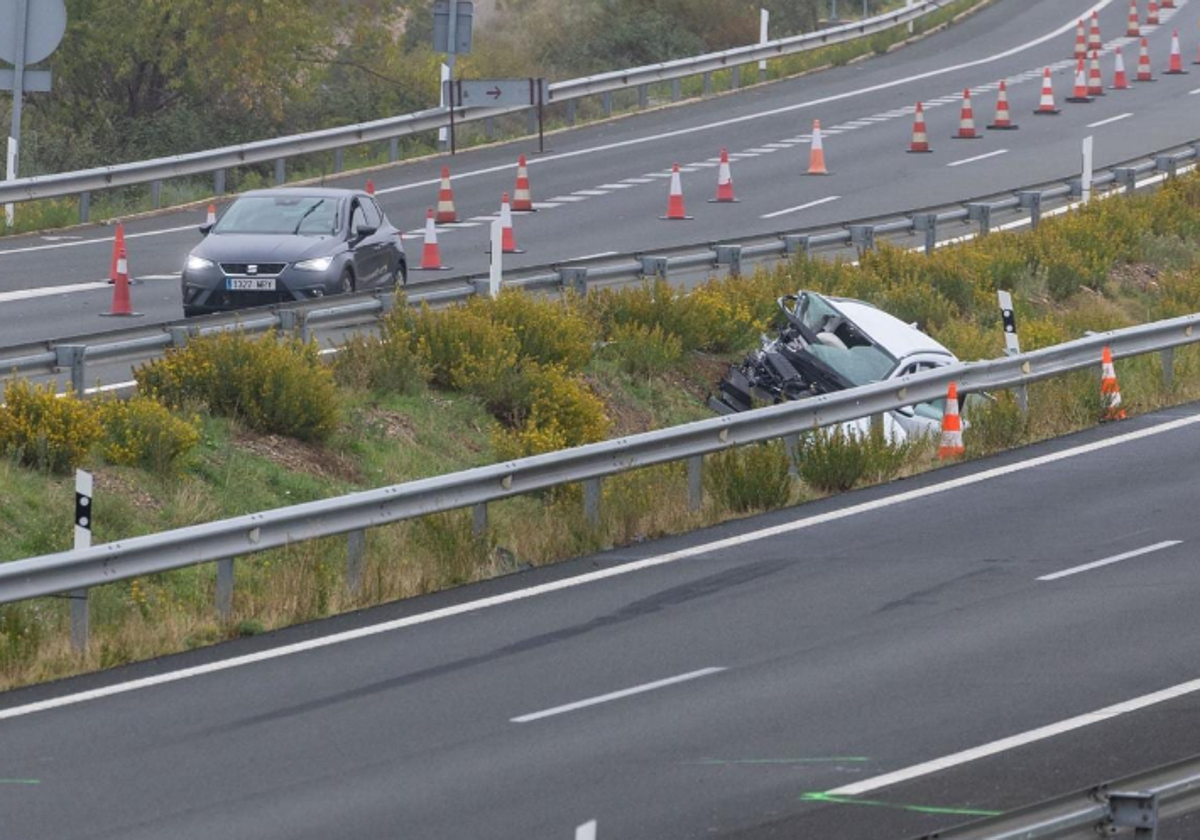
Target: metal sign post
(452, 27)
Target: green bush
(44, 430)
(465, 350)
(274, 386)
(389, 362)
(549, 332)
(143, 433)
(994, 425)
(750, 478)
(552, 411)
(835, 460)
(645, 351)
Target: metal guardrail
(353, 514)
(280, 149)
(1137, 803)
(74, 354)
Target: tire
(400, 275)
(346, 282)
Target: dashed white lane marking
(762, 151)
(50, 291)
(740, 155)
(102, 240)
(598, 256)
(638, 180)
(797, 209)
(611, 187)
(1015, 741)
(568, 199)
(666, 174)
(483, 220)
(705, 164)
(977, 158)
(617, 695)
(545, 205)
(1110, 120)
(590, 193)
(1193, 92)
(1108, 561)
(462, 225)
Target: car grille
(243, 269)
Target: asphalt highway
(602, 188)
(768, 678)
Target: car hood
(245, 247)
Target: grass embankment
(234, 426)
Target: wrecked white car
(831, 344)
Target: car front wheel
(346, 282)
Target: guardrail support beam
(643, 96)
(1031, 200)
(79, 620)
(708, 84)
(356, 553)
(225, 588)
(592, 490)
(731, 256)
(574, 280)
(156, 194)
(863, 237)
(394, 150)
(1168, 368)
(479, 519)
(571, 112)
(927, 223)
(280, 172)
(655, 267)
(735, 78)
(85, 207)
(981, 213)
(73, 357)
(676, 90)
(695, 475)
(219, 182)
(1137, 810)
(794, 244)
(1126, 176)
(339, 160)
(791, 446)
(1167, 164)
(606, 103)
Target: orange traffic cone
(522, 196)
(1080, 41)
(1167, 4)
(1095, 42)
(952, 439)
(446, 212)
(966, 121)
(121, 305)
(508, 243)
(1176, 65)
(724, 182)
(370, 186)
(675, 210)
(211, 218)
(816, 155)
(1152, 14)
(1134, 29)
(1046, 107)
(1081, 86)
(1095, 80)
(1110, 391)
(117, 253)
(1144, 72)
(431, 254)
(1003, 115)
(920, 136)
(1120, 80)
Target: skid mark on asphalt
(895, 806)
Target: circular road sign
(46, 26)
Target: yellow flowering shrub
(46, 431)
(561, 412)
(141, 432)
(549, 332)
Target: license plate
(250, 284)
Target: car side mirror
(364, 231)
(205, 230)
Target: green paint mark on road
(20, 781)
(874, 803)
(837, 759)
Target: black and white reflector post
(83, 539)
(1012, 344)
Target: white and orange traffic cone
(1134, 28)
(1110, 391)
(966, 120)
(1152, 18)
(675, 208)
(1167, 4)
(211, 218)
(446, 211)
(431, 254)
(508, 241)
(816, 155)
(1095, 42)
(724, 182)
(1175, 68)
(1003, 120)
(920, 135)
(1080, 41)
(1120, 79)
(122, 306)
(1046, 107)
(952, 437)
(370, 188)
(522, 195)
(1095, 79)
(1144, 71)
(1080, 94)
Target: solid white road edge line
(617, 695)
(1012, 742)
(797, 209)
(1108, 561)
(592, 577)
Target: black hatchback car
(280, 245)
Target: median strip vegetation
(232, 425)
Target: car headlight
(198, 263)
(318, 264)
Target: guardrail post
(280, 172)
(981, 213)
(85, 207)
(531, 125)
(571, 112)
(156, 194)
(863, 237)
(794, 244)
(1032, 201)
(1127, 177)
(180, 336)
(479, 519)
(225, 588)
(1022, 392)
(606, 103)
(302, 325)
(1076, 185)
(394, 150)
(735, 78)
(1168, 367)
(1134, 809)
(219, 182)
(643, 96)
(387, 303)
(791, 446)
(676, 90)
(1167, 164)
(339, 160)
(927, 223)
(695, 473)
(489, 128)
(575, 280)
(288, 321)
(356, 552)
(591, 500)
(655, 267)
(730, 255)
(73, 357)
(708, 85)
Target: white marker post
(443, 133)
(908, 4)
(83, 539)
(497, 265)
(1012, 344)
(587, 831)
(763, 26)
(10, 173)
(1087, 169)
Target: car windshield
(841, 346)
(297, 215)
